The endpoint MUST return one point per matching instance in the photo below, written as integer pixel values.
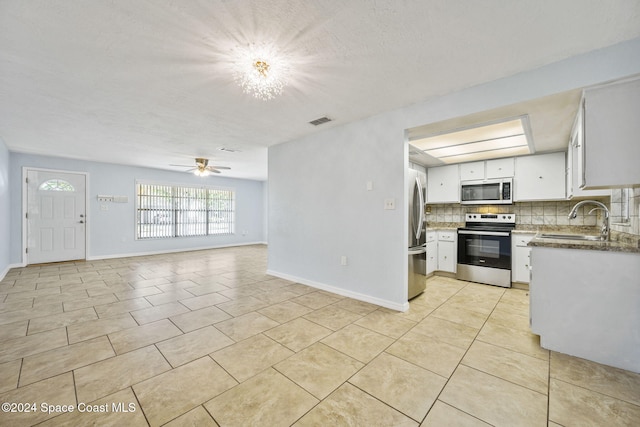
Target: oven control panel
(506, 218)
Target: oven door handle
(484, 233)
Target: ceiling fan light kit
(203, 168)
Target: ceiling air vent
(320, 121)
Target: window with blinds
(180, 211)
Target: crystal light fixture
(261, 71)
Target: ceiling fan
(202, 167)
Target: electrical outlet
(343, 260)
(369, 185)
(389, 204)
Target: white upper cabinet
(574, 167)
(610, 149)
(472, 171)
(443, 184)
(540, 177)
(500, 168)
(490, 169)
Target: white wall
(112, 233)
(4, 210)
(319, 208)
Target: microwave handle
(501, 192)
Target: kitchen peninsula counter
(616, 244)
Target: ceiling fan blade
(183, 166)
(218, 167)
(210, 169)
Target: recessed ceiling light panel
(506, 138)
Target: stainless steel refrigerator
(417, 238)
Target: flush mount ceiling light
(261, 71)
(505, 138)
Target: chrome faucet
(604, 228)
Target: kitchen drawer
(432, 236)
(447, 236)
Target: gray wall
(319, 208)
(4, 210)
(112, 233)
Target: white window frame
(176, 215)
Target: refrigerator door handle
(418, 226)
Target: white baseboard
(344, 292)
(9, 267)
(168, 251)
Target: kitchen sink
(570, 237)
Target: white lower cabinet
(442, 251)
(446, 257)
(447, 250)
(432, 252)
(520, 257)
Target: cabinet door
(575, 172)
(521, 263)
(610, 141)
(446, 257)
(540, 177)
(471, 171)
(432, 256)
(443, 184)
(500, 168)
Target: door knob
(81, 222)
(81, 215)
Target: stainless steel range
(484, 249)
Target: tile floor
(207, 338)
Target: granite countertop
(568, 229)
(618, 243)
(444, 225)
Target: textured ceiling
(149, 82)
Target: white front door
(56, 216)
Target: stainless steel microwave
(487, 192)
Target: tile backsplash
(527, 213)
(632, 223)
